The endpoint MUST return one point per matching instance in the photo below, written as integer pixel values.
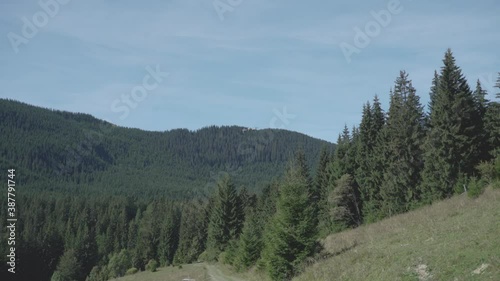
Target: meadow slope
(455, 239)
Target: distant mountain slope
(56, 150)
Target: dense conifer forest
(62, 151)
(97, 201)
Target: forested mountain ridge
(61, 150)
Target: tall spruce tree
(322, 173)
(69, 267)
(148, 237)
(266, 203)
(291, 235)
(453, 142)
(480, 98)
(498, 86)
(321, 185)
(432, 97)
(403, 148)
(366, 144)
(192, 232)
(224, 220)
(492, 124)
(434, 89)
(378, 117)
(343, 162)
(344, 204)
(169, 236)
(369, 170)
(351, 161)
(314, 193)
(133, 233)
(340, 161)
(481, 106)
(250, 243)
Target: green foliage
(370, 159)
(169, 237)
(481, 104)
(492, 126)
(344, 161)
(454, 140)
(131, 271)
(98, 273)
(56, 276)
(204, 257)
(69, 268)
(496, 164)
(229, 254)
(476, 187)
(344, 204)
(497, 85)
(222, 258)
(322, 176)
(405, 134)
(192, 232)
(290, 237)
(148, 236)
(250, 243)
(85, 245)
(461, 184)
(118, 264)
(224, 218)
(490, 171)
(496, 184)
(344, 156)
(152, 265)
(487, 171)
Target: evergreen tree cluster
(71, 238)
(391, 163)
(405, 157)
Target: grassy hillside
(62, 151)
(456, 239)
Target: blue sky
(238, 66)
